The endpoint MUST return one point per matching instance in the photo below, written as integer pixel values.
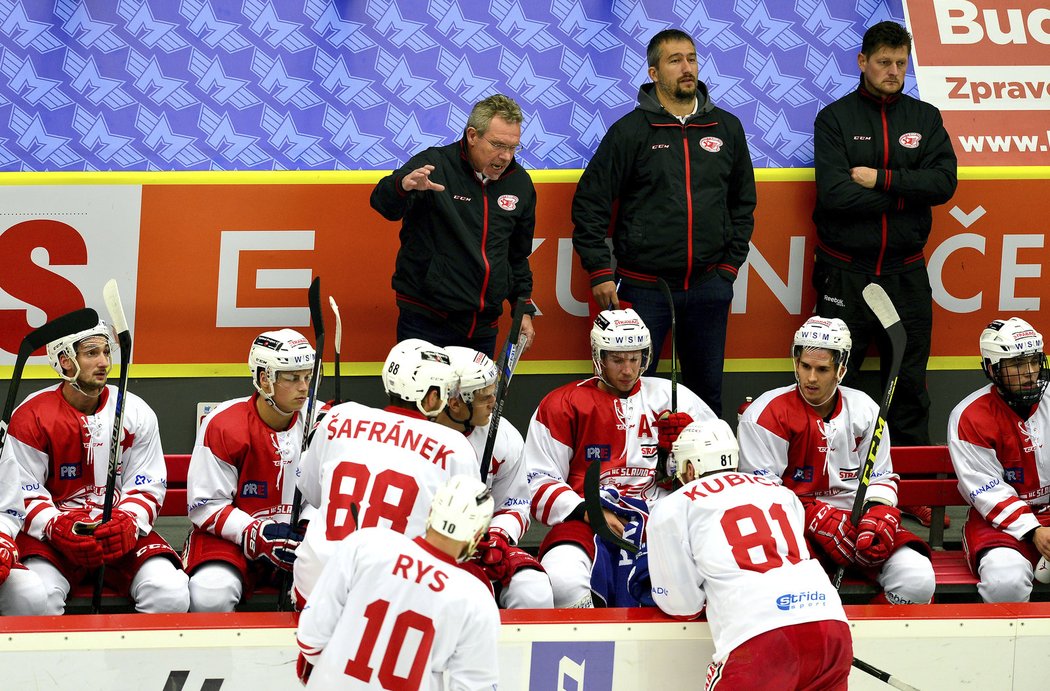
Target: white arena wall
(995, 647)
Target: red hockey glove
(70, 534)
(117, 536)
(8, 556)
(492, 552)
(303, 668)
(668, 427)
(876, 534)
(831, 530)
(275, 542)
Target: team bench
(927, 479)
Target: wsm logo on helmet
(813, 598)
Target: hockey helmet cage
(462, 510)
(67, 345)
(1004, 340)
(475, 371)
(826, 334)
(413, 367)
(707, 447)
(620, 331)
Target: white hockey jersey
(12, 501)
(579, 422)
(510, 489)
(241, 469)
(393, 612)
(1001, 460)
(63, 456)
(781, 436)
(384, 464)
(735, 541)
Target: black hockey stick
(79, 320)
(338, 343)
(880, 304)
(661, 454)
(317, 318)
(111, 296)
(592, 502)
(508, 360)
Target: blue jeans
(701, 314)
(413, 324)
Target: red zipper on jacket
(688, 212)
(886, 167)
(484, 257)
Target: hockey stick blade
(593, 504)
(876, 298)
(337, 345)
(71, 323)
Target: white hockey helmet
(413, 367)
(285, 350)
(707, 447)
(67, 345)
(475, 371)
(1005, 340)
(818, 333)
(461, 510)
(619, 331)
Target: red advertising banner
(207, 267)
(986, 65)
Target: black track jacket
(881, 230)
(463, 250)
(680, 198)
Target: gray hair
(496, 105)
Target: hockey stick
(338, 342)
(111, 296)
(79, 320)
(661, 454)
(880, 304)
(317, 318)
(592, 503)
(885, 677)
(508, 360)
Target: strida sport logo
(910, 140)
(712, 144)
(507, 202)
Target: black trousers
(839, 295)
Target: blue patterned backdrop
(363, 84)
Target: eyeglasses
(292, 378)
(510, 149)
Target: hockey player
(614, 416)
(395, 612)
(995, 438)
(368, 466)
(735, 542)
(21, 590)
(241, 479)
(813, 436)
(60, 438)
(515, 574)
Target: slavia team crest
(910, 140)
(507, 202)
(712, 144)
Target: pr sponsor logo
(69, 471)
(253, 488)
(598, 452)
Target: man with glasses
(995, 437)
(467, 212)
(241, 479)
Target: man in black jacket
(674, 180)
(467, 213)
(882, 160)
